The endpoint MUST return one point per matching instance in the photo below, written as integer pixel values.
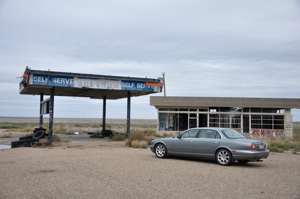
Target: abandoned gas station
(269, 117)
(51, 83)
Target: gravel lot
(102, 169)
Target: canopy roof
(37, 82)
(242, 102)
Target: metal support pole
(250, 125)
(164, 79)
(208, 119)
(128, 113)
(51, 114)
(41, 111)
(197, 116)
(242, 122)
(104, 114)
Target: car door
(184, 144)
(206, 142)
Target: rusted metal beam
(104, 114)
(41, 111)
(51, 115)
(128, 113)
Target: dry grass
(139, 144)
(119, 137)
(6, 135)
(140, 138)
(282, 145)
(71, 127)
(142, 132)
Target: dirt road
(110, 170)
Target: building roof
(241, 102)
(37, 82)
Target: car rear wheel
(223, 157)
(160, 150)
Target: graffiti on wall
(267, 133)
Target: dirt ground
(104, 169)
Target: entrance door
(183, 121)
(202, 120)
(246, 128)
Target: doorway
(246, 127)
(202, 120)
(183, 121)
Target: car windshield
(232, 134)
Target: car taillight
(253, 146)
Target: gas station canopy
(36, 82)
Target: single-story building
(268, 117)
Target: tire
(38, 134)
(223, 157)
(160, 150)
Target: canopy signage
(53, 81)
(140, 86)
(97, 83)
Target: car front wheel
(223, 157)
(160, 150)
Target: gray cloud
(207, 48)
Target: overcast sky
(207, 48)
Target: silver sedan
(221, 144)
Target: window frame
(217, 137)
(188, 131)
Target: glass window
(208, 133)
(235, 121)
(267, 121)
(256, 110)
(214, 120)
(193, 115)
(269, 110)
(224, 120)
(163, 109)
(183, 109)
(162, 121)
(183, 121)
(278, 122)
(256, 121)
(246, 110)
(168, 121)
(232, 134)
(192, 133)
(224, 109)
(213, 110)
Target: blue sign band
(135, 86)
(52, 81)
